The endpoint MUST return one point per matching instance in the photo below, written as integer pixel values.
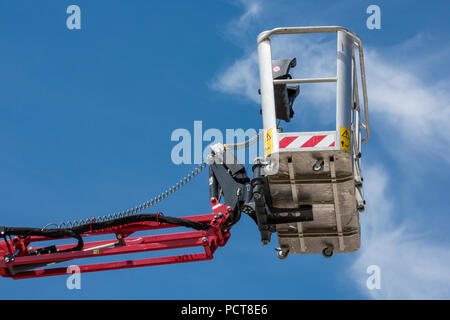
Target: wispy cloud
(412, 267)
(418, 108)
(252, 10)
(241, 78)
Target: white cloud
(418, 108)
(241, 78)
(411, 266)
(252, 10)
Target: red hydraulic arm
(17, 260)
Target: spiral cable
(158, 199)
(132, 211)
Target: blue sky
(86, 118)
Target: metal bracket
(337, 207)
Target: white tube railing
(264, 60)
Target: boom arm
(20, 261)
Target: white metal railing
(264, 52)
(306, 80)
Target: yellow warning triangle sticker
(345, 139)
(268, 142)
(345, 134)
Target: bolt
(119, 236)
(212, 199)
(257, 196)
(229, 209)
(318, 166)
(204, 239)
(220, 214)
(8, 258)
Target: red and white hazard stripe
(300, 141)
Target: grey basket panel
(315, 188)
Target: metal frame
(337, 205)
(335, 189)
(343, 79)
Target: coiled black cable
(95, 226)
(50, 233)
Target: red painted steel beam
(24, 264)
(115, 265)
